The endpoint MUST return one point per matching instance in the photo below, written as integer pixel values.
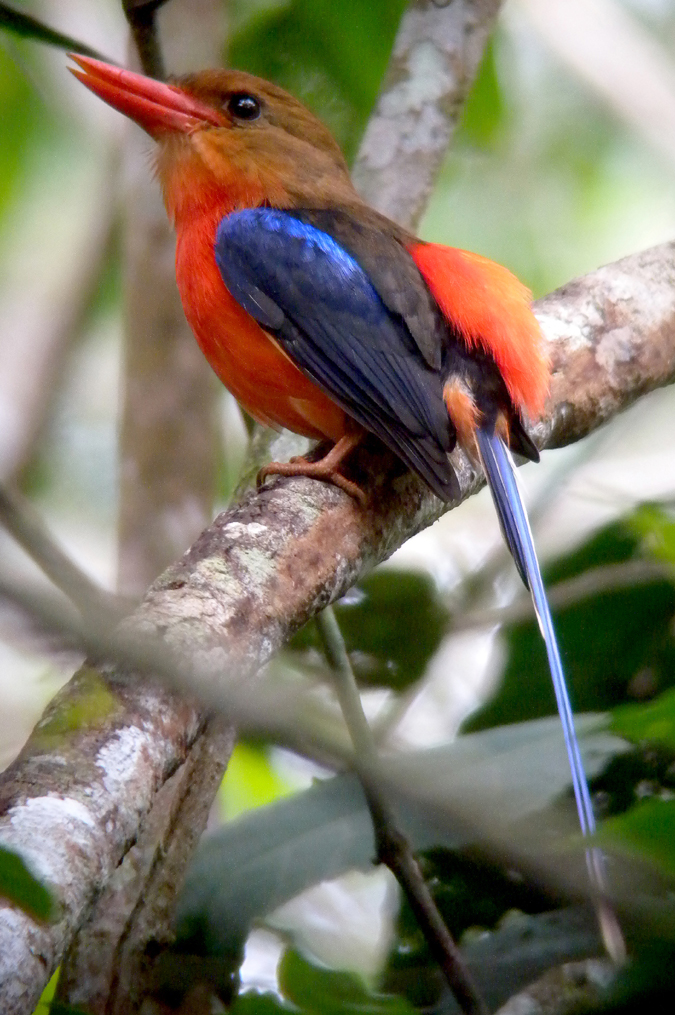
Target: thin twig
(28, 27)
(24, 523)
(606, 578)
(141, 15)
(393, 849)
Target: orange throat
(197, 181)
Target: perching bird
(323, 316)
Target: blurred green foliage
(654, 721)
(251, 781)
(373, 617)
(329, 992)
(646, 831)
(24, 119)
(655, 526)
(610, 642)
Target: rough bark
(110, 963)
(75, 798)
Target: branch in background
(29, 395)
(253, 578)
(436, 56)
(168, 427)
(393, 849)
(142, 18)
(606, 578)
(30, 28)
(18, 516)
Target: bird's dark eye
(243, 106)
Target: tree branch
(142, 18)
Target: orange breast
(246, 359)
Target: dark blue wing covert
(313, 296)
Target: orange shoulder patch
(491, 309)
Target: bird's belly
(247, 360)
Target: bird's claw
(313, 470)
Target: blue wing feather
(305, 288)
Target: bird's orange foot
(326, 469)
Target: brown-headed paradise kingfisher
(323, 316)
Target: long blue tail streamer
(501, 475)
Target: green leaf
(656, 528)
(21, 887)
(392, 623)
(646, 832)
(502, 962)
(654, 721)
(330, 992)
(47, 996)
(253, 1003)
(254, 864)
(250, 781)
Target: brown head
(227, 138)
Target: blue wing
(302, 286)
